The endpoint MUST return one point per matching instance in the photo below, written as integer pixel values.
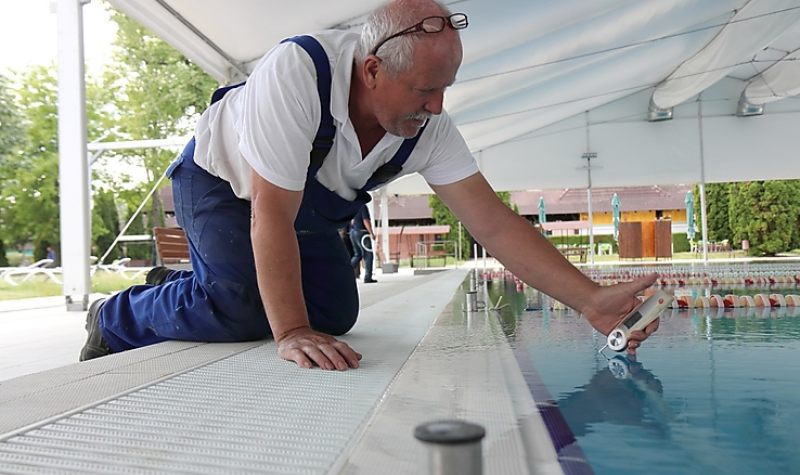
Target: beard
(409, 125)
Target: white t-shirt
(270, 122)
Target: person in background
(361, 226)
(344, 233)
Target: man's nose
(435, 102)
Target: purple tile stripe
(570, 456)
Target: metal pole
(703, 216)
(589, 155)
(591, 222)
(73, 169)
(385, 226)
(458, 253)
(130, 220)
(454, 447)
(373, 221)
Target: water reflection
(622, 392)
(713, 391)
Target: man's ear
(369, 70)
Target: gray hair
(398, 53)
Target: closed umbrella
(615, 215)
(689, 215)
(542, 214)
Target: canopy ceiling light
(657, 114)
(747, 109)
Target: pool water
(713, 391)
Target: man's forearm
(515, 243)
(277, 258)
(368, 227)
(527, 254)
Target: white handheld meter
(638, 319)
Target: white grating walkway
(237, 408)
(464, 369)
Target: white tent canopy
(543, 82)
(532, 69)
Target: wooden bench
(172, 247)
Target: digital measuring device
(641, 316)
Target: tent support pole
(73, 168)
(589, 155)
(703, 216)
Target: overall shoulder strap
(323, 141)
(390, 169)
(327, 130)
(217, 95)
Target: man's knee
(334, 321)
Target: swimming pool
(713, 391)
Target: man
(282, 162)
(361, 227)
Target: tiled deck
(197, 408)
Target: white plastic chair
(28, 272)
(120, 267)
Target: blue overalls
(219, 299)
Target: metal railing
(425, 251)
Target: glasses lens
(458, 21)
(434, 24)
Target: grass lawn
(107, 282)
(41, 286)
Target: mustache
(422, 116)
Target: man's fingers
(637, 337)
(316, 348)
(318, 357)
(298, 357)
(650, 329)
(351, 357)
(334, 356)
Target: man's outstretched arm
(526, 253)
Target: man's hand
(609, 305)
(307, 347)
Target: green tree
(31, 206)
(766, 214)
(717, 214)
(34, 213)
(150, 91)
(442, 215)
(11, 141)
(158, 93)
(105, 223)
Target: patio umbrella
(615, 215)
(689, 200)
(542, 214)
